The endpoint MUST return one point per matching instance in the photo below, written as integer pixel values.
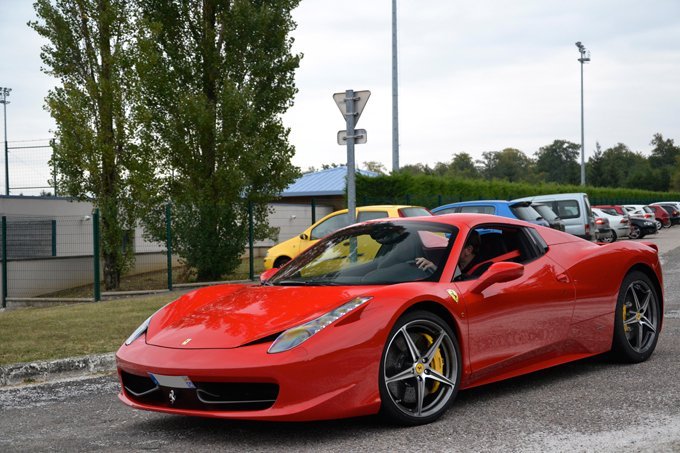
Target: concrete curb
(20, 373)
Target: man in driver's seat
(467, 262)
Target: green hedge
(433, 191)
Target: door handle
(563, 278)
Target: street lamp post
(395, 92)
(4, 92)
(585, 57)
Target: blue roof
(332, 181)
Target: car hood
(229, 316)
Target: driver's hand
(425, 264)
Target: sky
(473, 77)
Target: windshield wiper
(306, 283)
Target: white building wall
(292, 219)
(73, 264)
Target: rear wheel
(609, 237)
(667, 223)
(637, 319)
(420, 369)
(635, 232)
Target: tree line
(171, 101)
(559, 162)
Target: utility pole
(395, 92)
(585, 57)
(5, 92)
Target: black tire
(614, 236)
(667, 224)
(635, 232)
(427, 369)
(637, 319)
(280, 261)
(609, 237)
(659, 225)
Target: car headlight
(297, 335)
(139, 331)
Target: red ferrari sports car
(395, 316)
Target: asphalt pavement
(589, 405)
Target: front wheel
(637, 319)
(420, 369)
(658, 225)
(280, 261)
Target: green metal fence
(47, 259)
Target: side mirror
(304, 237)
(498, 273)
(266, 275)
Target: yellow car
(281, 253)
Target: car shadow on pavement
(282, 434)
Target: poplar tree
(87, 51)
(215, 78)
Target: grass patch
(73, 330)
(158, 280)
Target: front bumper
(309, 387)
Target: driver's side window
(495, 243)
(330, 226)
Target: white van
(573, 209)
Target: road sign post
(351, 103)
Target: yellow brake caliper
(626, 328)
(437, 363)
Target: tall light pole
(585, 57)
(4, 92)
(395, 92)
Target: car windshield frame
(390, 242)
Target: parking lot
(590, 405)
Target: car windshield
(414, 212)
(375, 253)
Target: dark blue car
(521, 210)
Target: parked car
(549, 215)
(662, 216)
(640, 228)
(640, 211)
(283, 252)
(619, 224)
(521, 210)
(673, 212)
(676, 204)
(573, 208)
(385, 336)
(616, 208)
(603, 232)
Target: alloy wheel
(420, 369)
(634, 232)
(640, 316)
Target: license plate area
(177, 382)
